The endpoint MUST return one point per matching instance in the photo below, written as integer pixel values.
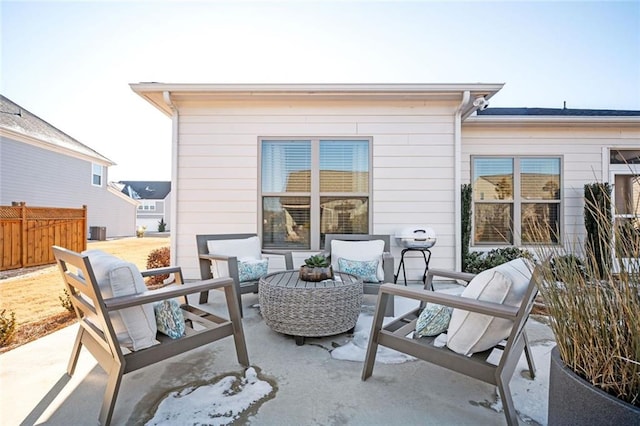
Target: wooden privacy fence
(27, 234)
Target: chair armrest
(216, 257)
(464, 276)
(288, 257)
(176, 270)
(150, 296)
(459, 302)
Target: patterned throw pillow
(363, 269)
(433, 320)
(169, 318)
(252, 269)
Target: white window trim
(315, 194)
(101, 174)
(517, 203)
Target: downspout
(457, 177)
(173, 222)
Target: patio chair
(486, 326)
(114, 310)
(357, 249)
(224, 253)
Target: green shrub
(162, 226)
(65, 301)
(481, 261)
(7, 327)
(465, 195)
(158, 258)
(599, 225)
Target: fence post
(23, 231)
(84, 226)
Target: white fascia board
(153, 92)
(545, 120)
(119, 194)
(20, 137)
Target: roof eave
(551, 121)
(154, 92)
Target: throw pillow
(433, 320)
(135, 327)
(358, 250)
(366, 270)
(169, 318)
(242, 248)
(470, 332)
(252, 269)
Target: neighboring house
(154, 198)
(43, 166)
(292, 162)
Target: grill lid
(416, 237)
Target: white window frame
(614, 170)
(94, 168)
(315, 193)
(518, 201)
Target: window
(516, 200)
(313, 187)
(624, 171)
(147, 206)
(96, 174)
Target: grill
(418, 237)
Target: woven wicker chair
(387, 262)
(97, 332)
(205, 259)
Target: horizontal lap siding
(218, 165)
(579, 147)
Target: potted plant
(316, 268)
(594, 313)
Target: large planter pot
(574, 401)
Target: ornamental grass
(594, 303)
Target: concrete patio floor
(312, 388)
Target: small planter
(316, 273)
(574, 401)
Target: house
(154, 198)
(292, 162)
(43, 166)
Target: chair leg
(235, 315)
(204, 297)
(507, 403)
(529, 355)
(111, 393)
(390, 308)
(372, 348)
(75, 352)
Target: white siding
(581, 150)
(45, 178)
(217, 183)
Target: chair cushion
(366, 270)
(358, 250)
(169, 318)
(433, 320)
(471, 332)
(252, 269)
(135, 327)
(242, 248)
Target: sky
(71, 63)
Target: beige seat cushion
(358, 250)
(135, 327)
(471, 332)
(245, 249)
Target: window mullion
(315, 194)
(517, 203)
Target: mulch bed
(34, 330)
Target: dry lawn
(34, 294)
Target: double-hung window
(312, 187)
(516, 200)
(96, 174)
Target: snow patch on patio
(218, 403)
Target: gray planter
(574, 401)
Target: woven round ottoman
(302, 309)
